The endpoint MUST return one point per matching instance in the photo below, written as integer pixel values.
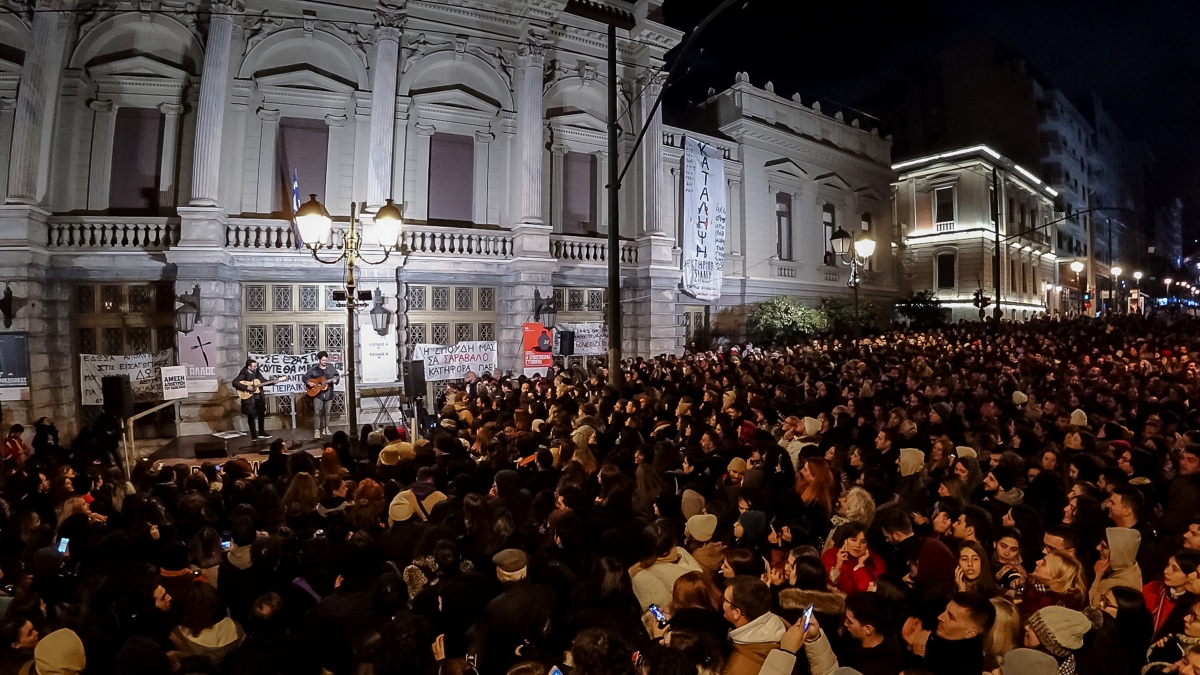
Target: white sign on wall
(294, 367)
(378, 354)
(704, 218)
(174, 382)
(591, 339)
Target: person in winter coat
(1161, 594)
(1060, 632)
(1117, 565)
(508, 493)
(522, 613)
(654, 578)
(756, 630)
(423, 495)
(205, 628)
(1183, 497)
(956, 647)
(403, 533)
(851, 564)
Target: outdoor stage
(183, 449)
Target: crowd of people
(1021, 499)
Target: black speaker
(566, 343)
(211, 450)
(118, 395)
(414, 378)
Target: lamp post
(315, 226)
(1167, 281)
(854, 254)
(1114, 285)
(1141, 301)
(1077, 267)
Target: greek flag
(295, 210)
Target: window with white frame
(302, 148)
(783, 225)
(947, 270)
(451, 174)
(579, 193)
(137, 140)
(943, 208)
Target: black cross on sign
(201, 346)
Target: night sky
(1140, 57)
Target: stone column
(479, 182)
(210, 116)
(650, 153)
(37, 101)
(558, 158)
(8, 107)
(100, 173)
(383, 107)
(531, 64)
(601, 191)
(266, 160)
(420, 196)
(170, 150)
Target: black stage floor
(184, 447)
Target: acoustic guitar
(255, 386)
(318, 384)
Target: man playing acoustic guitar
(254, 405)
(323, 397)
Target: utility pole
(614, 218)
(997, 313)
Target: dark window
(579, 193)
(829, 220)
(301, 149)
(943, 205)
(137, 152)
(1012, 275)
(946, 263)
(783, 225)
(451, 174)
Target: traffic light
(981, 300)
(1087, 295)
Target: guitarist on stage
(322, 400)
(256, 405)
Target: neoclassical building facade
(150, 147)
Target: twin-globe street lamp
(855, 254)
(1114, 291)
(1077, 267)
(315, 226)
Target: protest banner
(591, 339)
(704, 216)
(453, 363)
(14, 366)
(536, 348)
(144, 371)
(294, 367)
(174, 382)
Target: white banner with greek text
(293, 367)
(591, 339)
(453, 363)
(143, 370)
(704, 218)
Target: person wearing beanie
(956, 646)
(912, 484)
(692, 503)
(60, 653)
(404, 531)
(940, 413)
(1002, 493)
(1019, 398)
(698, 540)
(1079, 419)
(750, 530)
(1060, 632)
(1118, 564)
(812, 426)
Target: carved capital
(387, 34)
(170, 109)
(484, 137)
(532, 55)
(228, 7)
(268, 115)
(101, 106)
(558, 149)
(424, 129)
(335, 121)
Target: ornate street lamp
(855, 254)
(544, 311)
(1077, 267)
(316, 226)
(188, 311)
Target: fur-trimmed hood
(824, 602)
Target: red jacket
(1159, 602)
(854, 580)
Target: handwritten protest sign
(453, 363)
(143, 370)
(590, 338)
(293, 367)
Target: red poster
(537, 345)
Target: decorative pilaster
(383, 105)
(100, 172)
(422, 133)
(37, 101)
(8, 108)
(479, 182)
(531, 64)
(266, 160)
(167, 170)
(210, 116)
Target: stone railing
(588, 249)
(455, 241)
(109, 233)
(263, 234)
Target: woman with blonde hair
(854, 506)
(1057, 579)
(1005, 635)
(73, 506)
